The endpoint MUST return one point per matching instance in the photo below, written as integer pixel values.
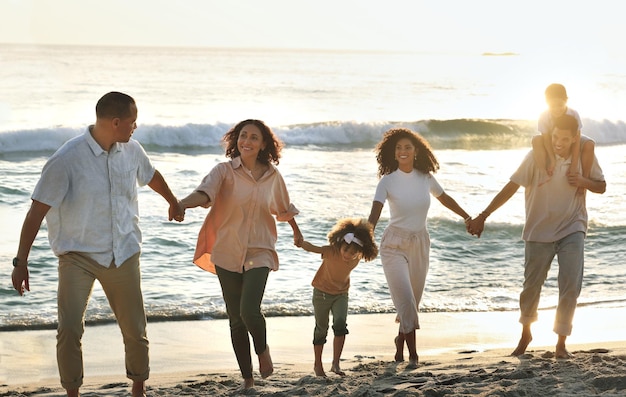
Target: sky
(533, 26)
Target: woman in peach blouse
(237, 241)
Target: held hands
(476, 225)
(176, 212)
(298, 239)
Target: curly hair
(386, 152)
(273, 145)
(362, 230)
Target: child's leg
(586, 159)
(340, 328)
(539, 152)
(543, 153)
(573, 168)
(338, 343)
(321, 311)
(547, 144)
(318, 367)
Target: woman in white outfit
(406, 165)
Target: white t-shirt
(409, 197)
(546, 123)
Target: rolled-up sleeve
(282, 207)
(239, 231)
(212, 182)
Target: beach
(330, 108)
(461, 354)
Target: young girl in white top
(406, 165)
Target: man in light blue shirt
(88, 194)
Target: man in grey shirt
(556, 225)
(88, 194)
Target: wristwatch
(16, 262)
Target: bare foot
(412, 363)
(399, 342)
(523, 344)
(72, 392)
(266, 368)
(248, 383)
(562, 353)
(139, 389)
(319, 370)
(335, 368)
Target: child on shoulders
(583, 149)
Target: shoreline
(199, 352)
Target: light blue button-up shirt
(93, 198)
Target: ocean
(330, 108)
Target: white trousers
(405, 258)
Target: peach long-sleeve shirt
(239, 232)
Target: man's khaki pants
(122, 286)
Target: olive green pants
(243, 293)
